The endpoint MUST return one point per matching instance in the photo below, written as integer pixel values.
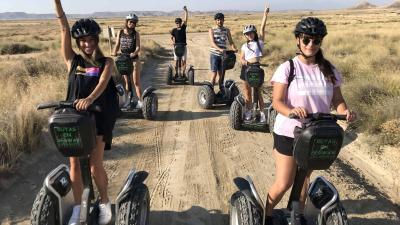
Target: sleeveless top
(83, 79)
(127, 42)
(220, 38)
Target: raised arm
(66, 46)
(117, 44)
(186, 16)
(263, 23)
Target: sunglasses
(130, 21)
(315, 41)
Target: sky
(90, 6)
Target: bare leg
(76, 179)
(213, 77)
(247, 94)
(285, 167)
(126, 79)
(261, 100)
(184, 66)
(136, 79)
(97, 169)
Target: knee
(283, 185)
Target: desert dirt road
(192, 156)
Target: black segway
(178, 76)
(150, 100)
(254, 75)
(206, 96)
(74, 134)
(316, 146)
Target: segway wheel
(206, 97)
(337, 216)
(169, 75)
(44, 208)
(190, 75)
(234, 92)
(271, 120)
(135, 209)
(150, 106)
(243, 211)
(235, 116)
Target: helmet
(219, 16)
(178, 20)
(85, 27)
(132, 17)
(249, 28)
(311, 26)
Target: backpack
(291, 72)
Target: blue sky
(89, 6)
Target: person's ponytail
(325, 66)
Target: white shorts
(184, 55)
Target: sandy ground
(192, 157)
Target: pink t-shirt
(309, 89)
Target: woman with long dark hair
(251, 53)
(89, 83)
(314, 89)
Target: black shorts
(243, 73)
(104, 126)
(283, 144)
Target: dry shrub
(16, 48)
(391, 132)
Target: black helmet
(178, 20)
(219, 16)
(85, 27)
(311, 26)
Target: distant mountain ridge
(364, 5)
(394, 5)
(29, 16)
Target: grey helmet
(85, 27)
(311, 26)
(249, 28)
(132, 17)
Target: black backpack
(291, 72)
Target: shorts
(215, 63)
(243, 73)
(183, 57)
(283, 144)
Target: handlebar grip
(48, 105)
(320, 116)
(341, 117)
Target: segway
(74, 134)
(178, 76)
(254, 75)
(149, 109)
(206, 96)
(316, 146)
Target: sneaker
(74, 220)
(139, 104)
(247, 114)
(262, 117)
(127, 100)
(105, 213)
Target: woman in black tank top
(89, 82)
(128, 41)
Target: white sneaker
(139, 104)
(105, 213)
(247, 114)
(127, 100)
(74, 220)
(262, 117)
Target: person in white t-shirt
(315, 88)
(251, 53)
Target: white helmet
(249, 28)
(132, 17)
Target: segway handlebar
(66, 104)
(320, 116)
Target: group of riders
(315, 88)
